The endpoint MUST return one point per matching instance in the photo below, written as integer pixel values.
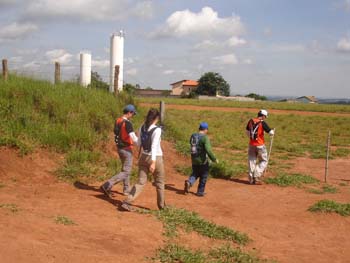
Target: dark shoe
(200, 194)
(252, 180)
(106, 191)
(127, 207)
(187, 187)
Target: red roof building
(183, 87)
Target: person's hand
(217, 161)
(272, 132)
(152, 168)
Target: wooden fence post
(57, 73)
(4, 70)
(116, 79)
(327, 156)
(162, 112)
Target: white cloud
(207, 44)
(132, 71)
(347, 5)
(228, 59)
(289, 48)
(205, 23)
(236, 41)
(168, 72)
(104, 63)
(7, 3)
(88, 10)
(59, 55)
(16, 31)
(248, 61)
(344, 45)
(267, 31)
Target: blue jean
(201, 171)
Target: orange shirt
(125, 129)
(260, 140)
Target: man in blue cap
(125, 138)
(200, 151)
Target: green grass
(63, 220)
(329, 206)
(174, 253)
(173, 218)
(10, 207)
(324, 189)
(283, 179)
(254, 104)
(65, 118)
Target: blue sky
(270, 47)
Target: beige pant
(159, 174)
(257, 160)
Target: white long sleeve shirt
(156, 149)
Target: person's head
(129, 111)
(152, 117)
(203, 127)
(262, 114)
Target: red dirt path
(275, 218)
(232, 109)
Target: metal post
(327, 156)
(4, 70)
(57, 73)
(162, 112)
(116, 78)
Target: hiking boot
(127, 207)
(106, 191)
(187, 187)
(200, 194)
(252, 180)
(258, 181)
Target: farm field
(50, 214)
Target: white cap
(263, 112)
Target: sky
(268, 47)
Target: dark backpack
(146, 138)
(253, 128)
(194, 142)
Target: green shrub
(329, 206)
(295, 179)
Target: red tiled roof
(187, 82)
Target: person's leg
(126, 159)
(142, 179)
(203, 176)
(252, 154)
(159, 178)
(262, 156)
(192, 179)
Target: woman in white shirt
(151, 160)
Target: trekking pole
(269, 153)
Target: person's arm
(267, 128)
(156, 136)
(247, 130)
(130, 130)
(207, 147)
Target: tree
(97, 82)
(211, 83)
(256, 96)
(129, 88)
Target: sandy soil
(275, 218)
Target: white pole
(117, 58)
(85, 69)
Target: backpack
(117, 138)
(146, 138)
(194, 142)
(253, 128)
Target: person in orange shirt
(125, 138)
(257, 150)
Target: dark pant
(201, 171)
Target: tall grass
(65, 118)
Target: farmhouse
(183, 87)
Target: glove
(272, 132)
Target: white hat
(263, 112)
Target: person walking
(125, 138)
(200, 151)
(151, 161)
(257, 150)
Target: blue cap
(129, 108)
(203, 126)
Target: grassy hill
(65, 118)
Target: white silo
(117, 58)
(85, 69)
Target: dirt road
(275, 218)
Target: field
(54, 158)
